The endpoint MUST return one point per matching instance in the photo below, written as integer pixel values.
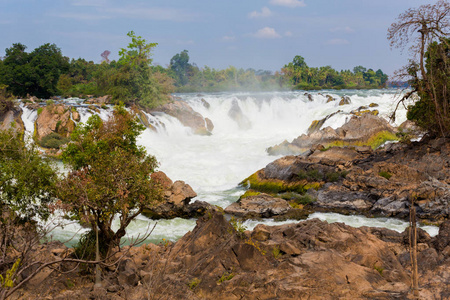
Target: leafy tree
(179, 64)
(27, 181)
(427, 28)
(109, 175)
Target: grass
(385, 174)
(194, 283)
(374, 141)
(238, 226)
(276, 252)
(225, 277)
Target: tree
(179, 64)
(427, 28)
(109, 175)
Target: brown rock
(262, 205)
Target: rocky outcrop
(305, 260)
(238, 116)
(54, 119)
(12, 118)
(187, 116)
(360, 180)
(345, 100)
(176, 200)
(258, 206)
(366, 129)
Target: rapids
(214, 165)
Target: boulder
(12, 118)
(54, 118)
(364, 130)
(259, 206)
(238, 116)
(186, 115)
(345, 100)
(176, 200)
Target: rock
(364, 130)
(261, 205)
(12, 119)
(330, 98)
(238, 116)
(209, 124)
(309, 96)
(442, 240)
(317, 124)
(373, 105)
(176, 202)
(345, 100)
(186, 115)
(76, 115)
(205, 103)
(54, 118)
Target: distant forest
(133, 78)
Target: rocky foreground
(306, 260)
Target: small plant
(276, 252)
(314, 175)
(8, 280)
(194, 283)
(379, 269)
(302, 175)
(39, 111)
(53, 141)
(385, 174)
(104, 106)
(50, 102)
(305, 199)
(69, 283)
(225, 277)
(332, 176)
(256, 245)
(249, 193)
(238, 226)
(404, 136)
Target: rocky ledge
(306, 260)
(359, 180)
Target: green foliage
(385, 174)
(8, 280)
(194, 283)
(379, 269)
(6, 100)
(303, 199)
(109, 174)
(225, 277)
(332, 176)
(39, 110)
(36, 73)
(249, 193)
(86, 247)
(302, 77)
(238, 226)
(27, 181)
(276, 252)
(53, 140)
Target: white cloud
(288, 3)
(267, 33)
(337, 42)
(228, 38)
(265, 12)
(346, 29)
(81, 17)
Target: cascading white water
(214, 165)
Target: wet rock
(205, 103)
(262, 206)
(12, 118)
(186, 115)
(365, 129)
(345, 100)
(176, 203)
(237, 115)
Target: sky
(258, 34)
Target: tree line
(134, 79)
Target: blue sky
(258, 34)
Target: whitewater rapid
(214, 165)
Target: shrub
(276, 252)
(238, 226)
(193, 283)
(225, 277)
(385, 174)
(53, 141)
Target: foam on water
(214, 165)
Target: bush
(53, 141)
(385, 174)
